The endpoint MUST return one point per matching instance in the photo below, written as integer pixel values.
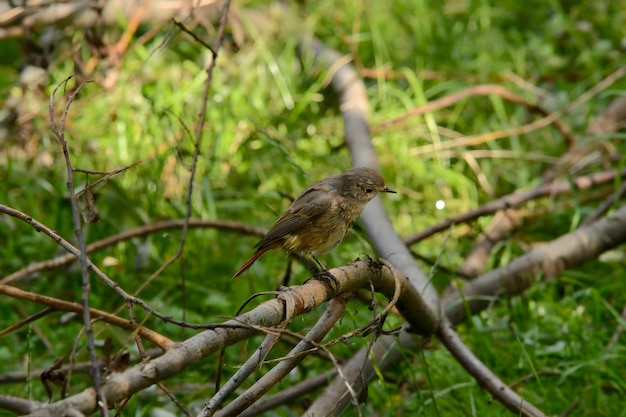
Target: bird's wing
(311, 204)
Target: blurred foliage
(273, 127)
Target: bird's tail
(250, 261)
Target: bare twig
(254, 362)
(517, 199)
(126, 235)
(25, 321)
(477, 90)
(473, 140)
(105, 175)
(61, 305)
(333, 312)
(40, 227)
(59, 132)
(195, 37)
(173, 399)
(198, 137)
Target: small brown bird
(319, 218)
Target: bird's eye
(369, 190)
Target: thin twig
(62, 305)
(478, 90)
(127, 235)
(195, 37)
(473, 140)
(173, 398)
(254, 362)
(26, 320)
(516, 199)
(78, 230)
(196, 152)
(333, 312)
(106, 175)
(40, 227)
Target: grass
(272, 126)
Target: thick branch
(289, 304)
(571, 249)
(548, 260)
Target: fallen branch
(294, 301)
(548, 260)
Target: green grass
(272, 127)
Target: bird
(319, 218)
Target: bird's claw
(328, 279)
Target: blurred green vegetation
(272, 127)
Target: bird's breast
(324, 233)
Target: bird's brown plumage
(316, 222)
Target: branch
(40, 227)
(66, 259)
(478, 139)
(296, 390)
(548, 260)
(387, 352)
(476, 90)
(294, 301)
(78, 231)
(517, 199)
(62, 305)
(254, 362)
(335, 309)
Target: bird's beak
(388, 190)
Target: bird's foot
(328, 279)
